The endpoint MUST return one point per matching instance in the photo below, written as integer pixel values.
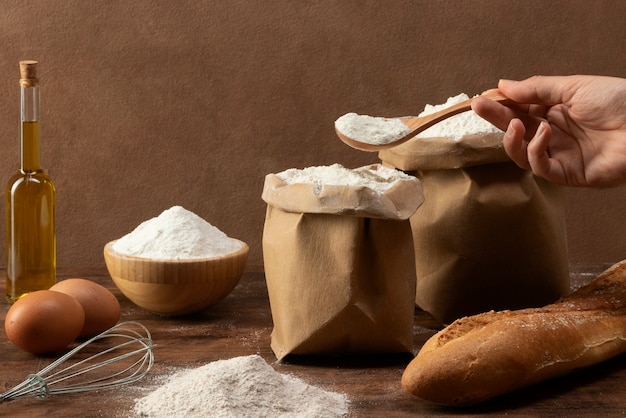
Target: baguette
(480, 357)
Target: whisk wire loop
(133, 356)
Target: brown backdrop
(149, 104)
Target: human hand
(570, 130)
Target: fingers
(494, 112)
(538, 151)
(530, 155)
(544, 90)
(515, 145)
(533, 155)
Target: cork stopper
(28, 73)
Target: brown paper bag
(339, 267)
(489, 234)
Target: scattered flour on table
(371, 129)
(379, 179)
(456, 126)
(176, 234)
(241, 387)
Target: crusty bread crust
(482, 356)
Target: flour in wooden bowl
(176, 234)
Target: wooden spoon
(419, 124)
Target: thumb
(542, 90)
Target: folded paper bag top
(371, 191)
(440, 153)
(339, 262)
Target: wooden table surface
(241, 325)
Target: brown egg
(44, 321)
(102, 309)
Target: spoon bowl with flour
(374, 133)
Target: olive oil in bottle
(30, 201)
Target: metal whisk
(126, 360)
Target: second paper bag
(489, 234)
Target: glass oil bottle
(30, 203)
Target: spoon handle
(422, 123)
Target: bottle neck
(30, 132)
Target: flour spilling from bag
(240, 387)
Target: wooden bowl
(175, 287)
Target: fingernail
(505, 81)
(511, 130)
(541, 129)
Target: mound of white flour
(174, 235)
(241, 387)
(371, 129)
(379, 179)
(456, 126)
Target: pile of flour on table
(241, 387)
(176, 234)
(379, 179)
(457, 126)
